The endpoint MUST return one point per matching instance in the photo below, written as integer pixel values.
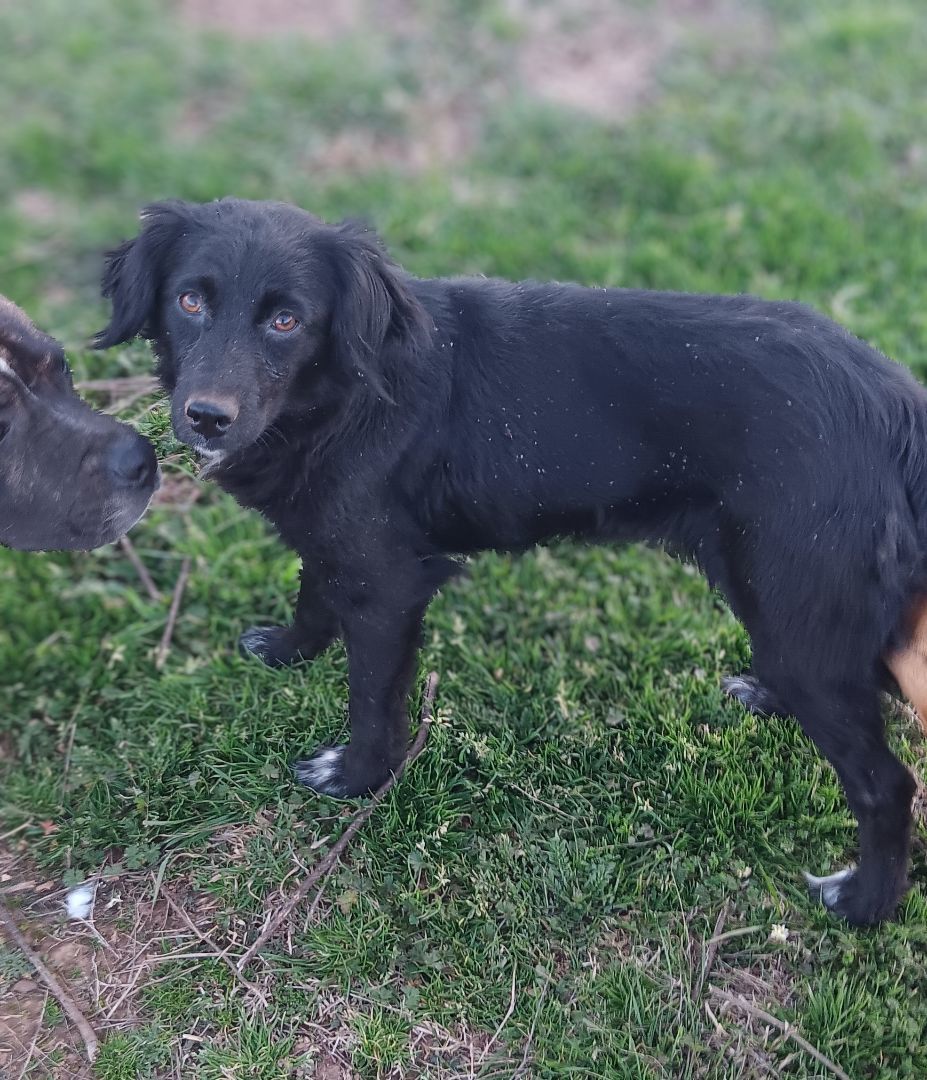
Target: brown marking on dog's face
(70, 477)
(909, 663)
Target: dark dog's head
(70, 478)
(256, 309)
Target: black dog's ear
(133, 271)
(374, 306)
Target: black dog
(69, 476)
(385, 424)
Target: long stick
(63, 998)
(165, 647)
(327, 864)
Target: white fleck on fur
(829, 887)
(80, 901)
(319, 770)
(5, 367)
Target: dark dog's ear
(20, 339)
(374, 307)
(133, 271)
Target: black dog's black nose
(210, 418)
(132, 461)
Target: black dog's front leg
(382, 645)
(313, 629)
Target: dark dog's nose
(211, 419)
(132, 461)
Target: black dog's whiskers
(388, 425)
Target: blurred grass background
(536, 898)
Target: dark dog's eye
(284, 322)
(191, 303)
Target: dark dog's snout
(211, 419)
(132, 462)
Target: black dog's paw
(333, 770)
(324, 772)
(272, 645)
(751, 693)
(845, 893)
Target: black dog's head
(254, 310)
(70, 478)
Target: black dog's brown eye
(191, 303)
(285, 322)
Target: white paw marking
(829, 887)
(737, 686)
(318, 771)
(257, 637)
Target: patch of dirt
(601, 57)
(598, 57)
(101, 964)
(37, 206)
(437, 133)
(105, 962)
(317, 20)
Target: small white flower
(779, 934)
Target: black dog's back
(617, 413)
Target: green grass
(588, 801)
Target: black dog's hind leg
(847, 727)
(382, 649)
(759, 699)
(313, 629)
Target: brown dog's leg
(909, 664)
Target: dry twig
(327, 864)
(123, 392)
(165, 647)
(141, 569)
(64, 999)
(219, 954)
(126, 384)
(780, 1025)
